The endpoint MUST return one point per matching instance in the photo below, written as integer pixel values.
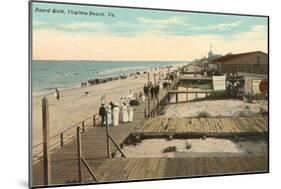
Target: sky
(138, 34)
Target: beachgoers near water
(82, 101)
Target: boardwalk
(64, 160)
(155, 168)
(231, 126)
(94, 148)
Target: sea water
(47, 75)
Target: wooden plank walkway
(64, 160)
(119, 169)
(228, 126)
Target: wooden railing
(81, 159)
(110, 138)
(60, 139)
(157, 108)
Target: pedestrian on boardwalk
(115, 113)
(109, 115)
(111, 105)
(102, 114)
(157, 88)
(124, 113)
(152, 91)
(131, 110)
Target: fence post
(46, 142)
(83, 127)
(154, 95)
(187, 94)
(61, 139)
(148, 99)
(80, 176)
(94, 120)
(107, 137)
(157, 105)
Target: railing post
(83, 127)
(144, 113)
(148, 99)
(154, 96)
(94, 120)
(61, 139)
(186, 94)
(80, 176)
(157, 106)
(46, 144)
(107, 136)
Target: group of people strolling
(112, 114)
(152, 90)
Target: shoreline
(74, 106)
(49, 92)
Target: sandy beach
(198, 148)
(74, 106)
(215, 108)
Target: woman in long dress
(115, 112)
(131, 113)
(109, 116)
(124, 113)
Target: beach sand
(210, 147)
(215, 108)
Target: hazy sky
(135, 34)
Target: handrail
(78, 123)
(56, 143)
(73, 126)
(81, 159)
(116, 145)
(88, 168)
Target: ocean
(47, 75)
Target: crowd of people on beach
(103, 80)
(108, 79)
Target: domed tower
(210, 53)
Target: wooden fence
(60, 139)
